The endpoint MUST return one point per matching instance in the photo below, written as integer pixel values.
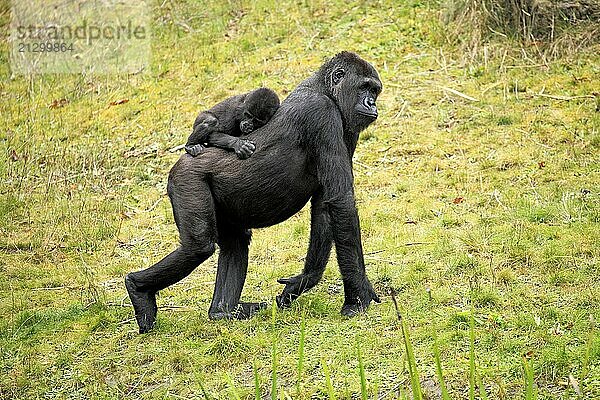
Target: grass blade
(403, 395)
(438, 367)
(361, 371)
(232, 389)
(436, 355)
(415, 382)
(414, 374)
(273, 354)
(472, 356)
(588, 350)
(530, 393)
(329, 386)
(301, 355)
(482, 393)
(202, 389)
(256, 382)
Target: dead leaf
(556, 330)
(58, 103)
(541, 164)
(127, 214)
(13, 155)
(528, 355)
(569, 325)
(117, 102)
(575, 384)
(458, 200)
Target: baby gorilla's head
(259, 107)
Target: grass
(491, 206)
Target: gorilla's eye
(337, 75)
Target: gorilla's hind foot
(354, 305)
(144, 305)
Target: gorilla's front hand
(243, 148)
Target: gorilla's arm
(334, 213)
(335, 174)
(319, 249)
(243, 148)
(204, 124)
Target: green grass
(82, 202)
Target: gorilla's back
(267, 188)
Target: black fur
(304, 152)
(222, 125)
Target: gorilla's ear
(337, 75)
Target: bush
(542, 21)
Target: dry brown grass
(552, 27)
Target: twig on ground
(169, 307)
(55, 288)
(564, 98)
(362, 164)
(136, 384)
(177, 308)
(526, 66)
(459, 94)
(153, 206)
(373, 252)
(496, 195)
(487, 89)
(383, 260)
(528, 136)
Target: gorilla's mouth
(370, 114)
(367, 107)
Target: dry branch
(459, 94)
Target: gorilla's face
(260, 106)
(355, 86)
(254, 119)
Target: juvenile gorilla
(222, 125)
(304, 152)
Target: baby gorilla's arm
(243, 148)
(203, 126)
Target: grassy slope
(524, 244)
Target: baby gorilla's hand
(244, 148)
(194, 150)
(246, 126)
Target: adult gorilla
(304, 152)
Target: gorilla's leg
(231, 275)
(319, 248)
(195, 218)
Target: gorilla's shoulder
(305, 102)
